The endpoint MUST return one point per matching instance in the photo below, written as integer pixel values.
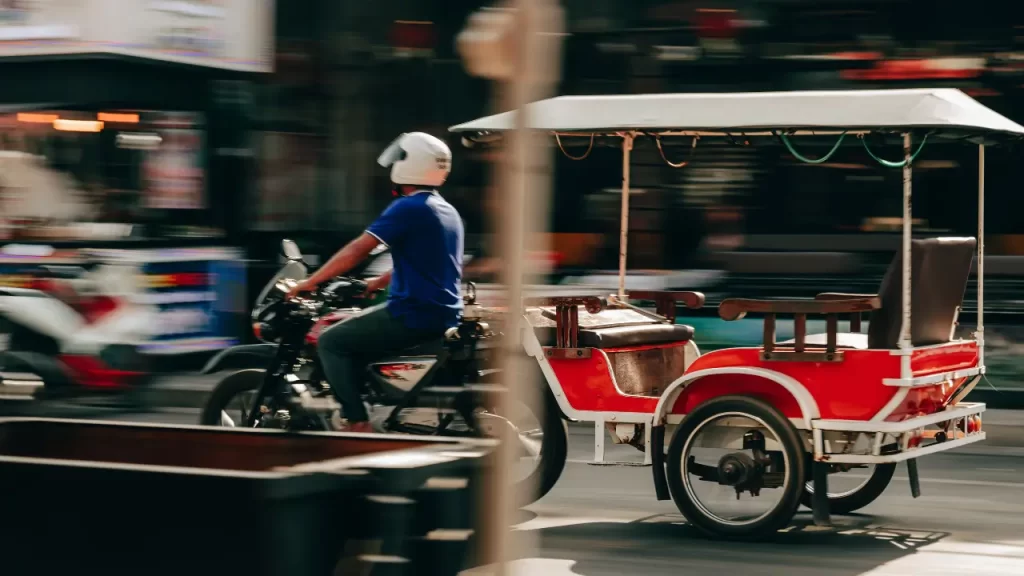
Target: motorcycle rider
(425, 235)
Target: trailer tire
(860, 497)
(795, 473)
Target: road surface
(604, 520)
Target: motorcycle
(73, 330)
(436, 388)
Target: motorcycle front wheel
(232, 399)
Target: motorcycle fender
(50, 369)
(241, 357)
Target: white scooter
(75, 330)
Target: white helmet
(417, 159)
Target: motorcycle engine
(426, 417)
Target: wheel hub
(737, 469)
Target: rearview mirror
(290, 250)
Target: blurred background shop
(199, 133)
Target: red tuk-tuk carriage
(772, 426)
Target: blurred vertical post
(517, 44)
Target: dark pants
(346, 347)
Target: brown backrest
(939, 268)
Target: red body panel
(848, 390)
(954, 356)
(588, 385)
(851, 389)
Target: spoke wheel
(233, 399)
(721, 484)
(849, 492)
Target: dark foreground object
(82, 497)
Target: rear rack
(949, 435)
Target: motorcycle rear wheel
(553, 450)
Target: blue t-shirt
(425, 235)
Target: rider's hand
(374, 285)
(302, 286)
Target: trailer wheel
(850, 500)
(733, 464)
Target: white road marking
(950, 556)
(528, 567)
(541, 523)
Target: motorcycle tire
(232, 385)
(554, 446)
(553, 455)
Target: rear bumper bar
(947, 430)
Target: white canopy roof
(944, 110)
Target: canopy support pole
(979, 333)
(905, 343)
(627, 148)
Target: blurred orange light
(37, 118)
(78, 125)
(117, 117)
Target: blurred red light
(413, 35)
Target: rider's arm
(345, 259)
(389, 228)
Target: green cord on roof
(801, 158)
(899, 164)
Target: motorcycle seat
(431, 347)
(623, 336)
(638, 335)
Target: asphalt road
(604, 520)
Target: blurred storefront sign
(194, 295)
(37, 20)
(231, 34)
(174, 171)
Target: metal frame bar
(712, 133)
(867, 426)
(979, 333)
(906, 455)
(627, 148)
(906, 325)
